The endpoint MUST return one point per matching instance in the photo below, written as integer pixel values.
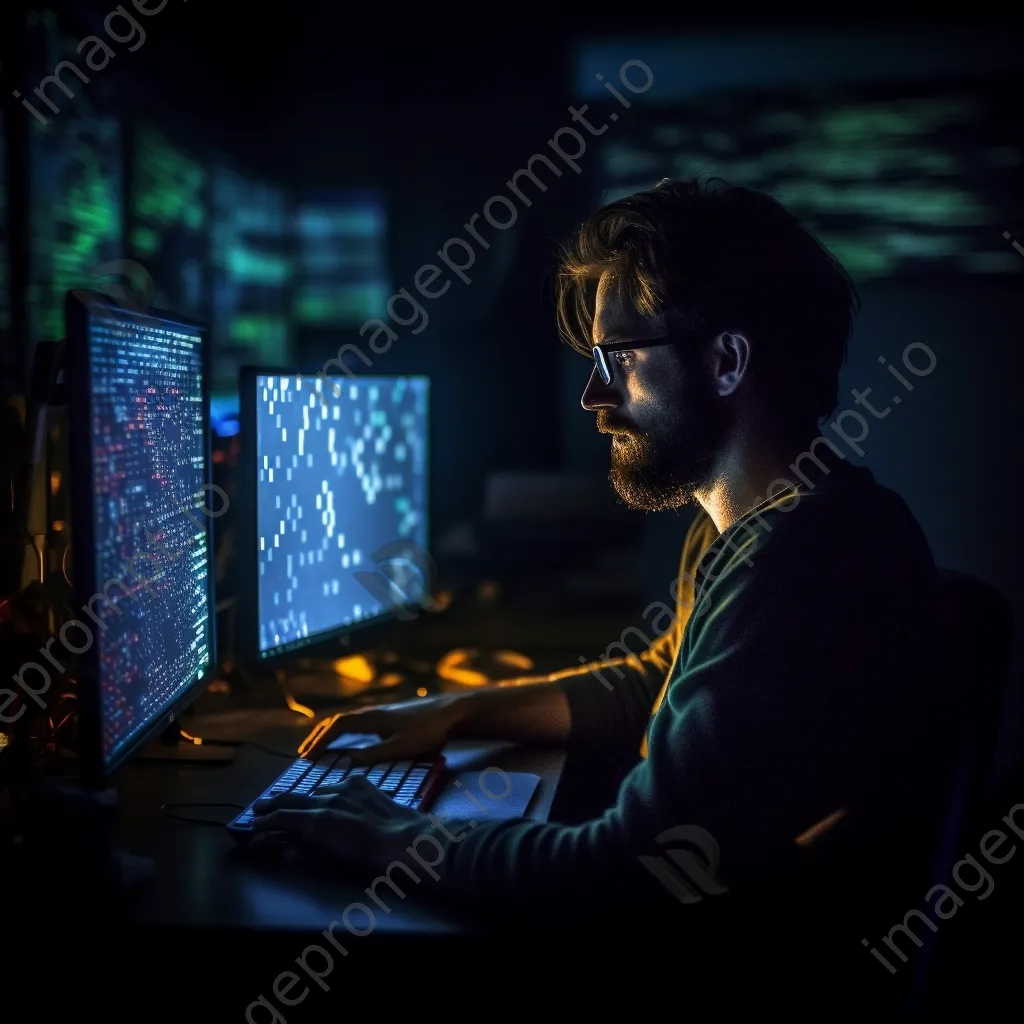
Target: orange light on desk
(192, 739)
(514, 660)
(455, 666)
(355, 666)
(452, 668)
(355, 674)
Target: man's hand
(352, 823)
(406, 730)
(535, 713)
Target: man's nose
(598, 395)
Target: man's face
(665, 420)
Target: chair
(551, 519)
(983, 643)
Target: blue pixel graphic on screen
(342, 471)
(149, 488)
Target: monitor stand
(171, 747)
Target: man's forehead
(615, 317)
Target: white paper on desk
(488, 795)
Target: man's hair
(717, 257)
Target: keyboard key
(275, 791)
(395, 776)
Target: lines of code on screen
(149, 487)
(342, 472)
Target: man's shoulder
(845, 526)
(856, 514)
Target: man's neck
(749, 470)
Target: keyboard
(412, 783)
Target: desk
(203, 880)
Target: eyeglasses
(602, 352)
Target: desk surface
(204, 880)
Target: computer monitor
(333, 480)
(143, 505)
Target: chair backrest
(981, 649)
(549, 520)
(890, 857)
(520, 497)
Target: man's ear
(730, 361)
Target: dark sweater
(799, 685)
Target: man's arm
(537, 709)
(784, 706)
(533, 710)
(603, 705)
(611, 700)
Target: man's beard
(666, 466)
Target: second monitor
(334, 475)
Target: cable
(203, 741)
(249, 742)
(267, 750)
(198, 821)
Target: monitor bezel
(248, 478)
(97, 770)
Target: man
(787, 707)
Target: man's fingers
(287, 801)
(355, 789)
